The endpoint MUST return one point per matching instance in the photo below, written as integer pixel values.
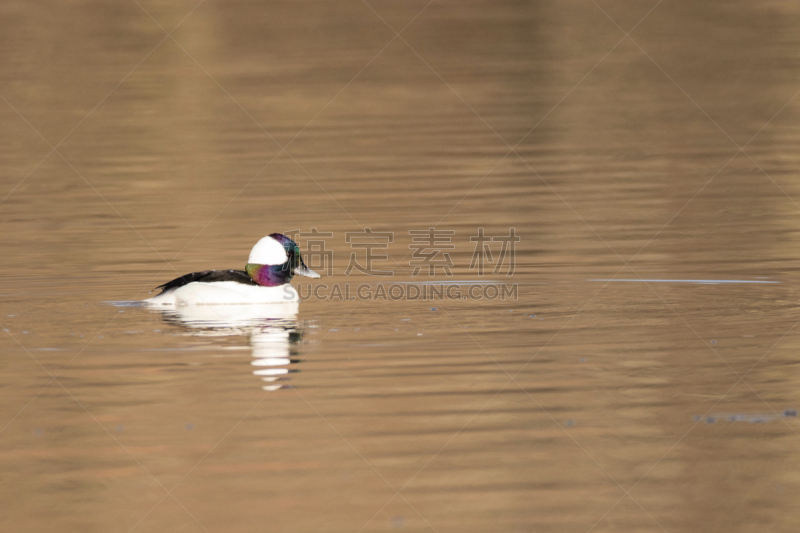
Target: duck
(273, 262)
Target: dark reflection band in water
(273, 331)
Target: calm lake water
(616, 392)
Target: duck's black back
(208, 276)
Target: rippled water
(645, 377)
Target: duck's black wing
(208, 276)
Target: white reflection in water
(272, 329)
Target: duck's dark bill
(305, 271)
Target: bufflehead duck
(273, 261)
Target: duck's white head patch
(268, 251)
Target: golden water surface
(636, 149)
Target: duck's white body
(221, 287)
(225, 292)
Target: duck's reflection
(274, 332)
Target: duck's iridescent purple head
(274, 261)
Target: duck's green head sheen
(274, 261)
